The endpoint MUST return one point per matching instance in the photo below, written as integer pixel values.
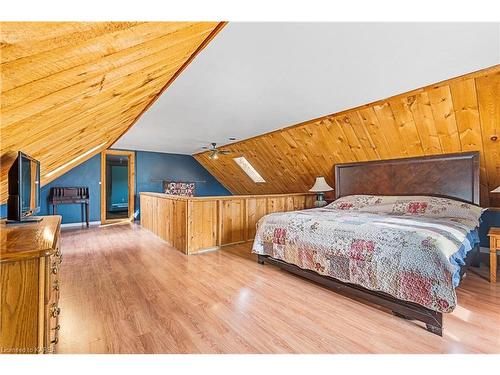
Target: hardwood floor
(123, 290)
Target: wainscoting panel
(194, 224)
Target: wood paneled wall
(167, 218)
(195, 224)
(460, 114)
(71, 87)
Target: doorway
(117, 186)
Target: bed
(400, 234)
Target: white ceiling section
(257, 77)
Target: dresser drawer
(30, 286)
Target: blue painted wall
(161, 166)
(149, 166)
(85, 174)
(152, 167)
(3, 211)
(119, 181)
(490, 219)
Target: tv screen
(24, 188)
(29, 189)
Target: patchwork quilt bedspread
(409, 247)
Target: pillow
(355, 202)
(410, 206)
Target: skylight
(249, 169)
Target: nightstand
(494, 235)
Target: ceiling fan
(215, 152)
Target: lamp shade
(320, 185)
(497, 190)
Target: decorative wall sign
(186, 189)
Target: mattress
(409, 247)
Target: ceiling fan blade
(224, 152)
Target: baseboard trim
(80, 224)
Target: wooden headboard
(453, 176)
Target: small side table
(494, 235)
(70, 195)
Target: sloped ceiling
(257, 77)
(461, 114)
(69, 90)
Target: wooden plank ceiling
(69, 90)
(461, 114)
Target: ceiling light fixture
(214, 151)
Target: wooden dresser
(30, 259)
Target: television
(24, 189)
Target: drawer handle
(55, 285)
(57, 327)
(55, 310)
(55, 270)
(55, 341)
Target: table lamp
(319, 187)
